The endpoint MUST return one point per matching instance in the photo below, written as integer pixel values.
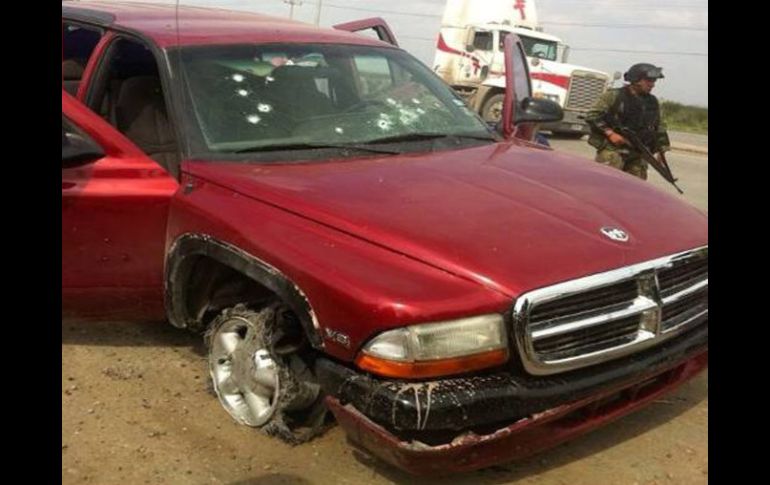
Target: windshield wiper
(428, 136)
(311, 146)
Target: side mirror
(77, 151)
(538, 110)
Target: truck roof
(201, 25)
(531, 33)
(536, 34)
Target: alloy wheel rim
(244, 374)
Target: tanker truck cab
(485, 42)
(469, 57)
(484, 67)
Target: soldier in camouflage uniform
(632, 107)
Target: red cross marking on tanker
(519, 5)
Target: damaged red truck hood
(509, 217)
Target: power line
(626, 5)
(591, 49)
(430, 39)
(628, 2)
(392, 12)
(632, 6)
(608, 3)
(629, 26)
(576, 24)
(672, 53)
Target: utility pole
(292, 3)
(318, 12)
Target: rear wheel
(258, 361)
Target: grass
(682, 117)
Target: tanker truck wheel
(492, 111)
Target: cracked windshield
(248, 98)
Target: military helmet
(637, 72)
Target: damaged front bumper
(467, 423)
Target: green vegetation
(681, 117)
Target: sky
(670, 33)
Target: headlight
(437, 349)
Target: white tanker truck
(469, 56)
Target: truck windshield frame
(534, 47)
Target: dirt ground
(136, 409)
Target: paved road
(689, 138)
(691, 169)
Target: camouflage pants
(628, 162)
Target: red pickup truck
(350, 237)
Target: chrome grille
(589, 339)
(682, 274)
(584, 89)
(591, 301)
(690, 307)
(608, 315)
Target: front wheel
(259, 373)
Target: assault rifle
(661, 166)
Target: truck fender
(184, 252)
(495, 82)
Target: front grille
(584, 89)
(682, 274)
(609, 315)
(589, 339)
(600, 299)
(691, 306)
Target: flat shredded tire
(259, 380)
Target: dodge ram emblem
(615, 234)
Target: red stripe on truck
(444, 47)
(561, 81)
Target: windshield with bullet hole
(251, 98)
